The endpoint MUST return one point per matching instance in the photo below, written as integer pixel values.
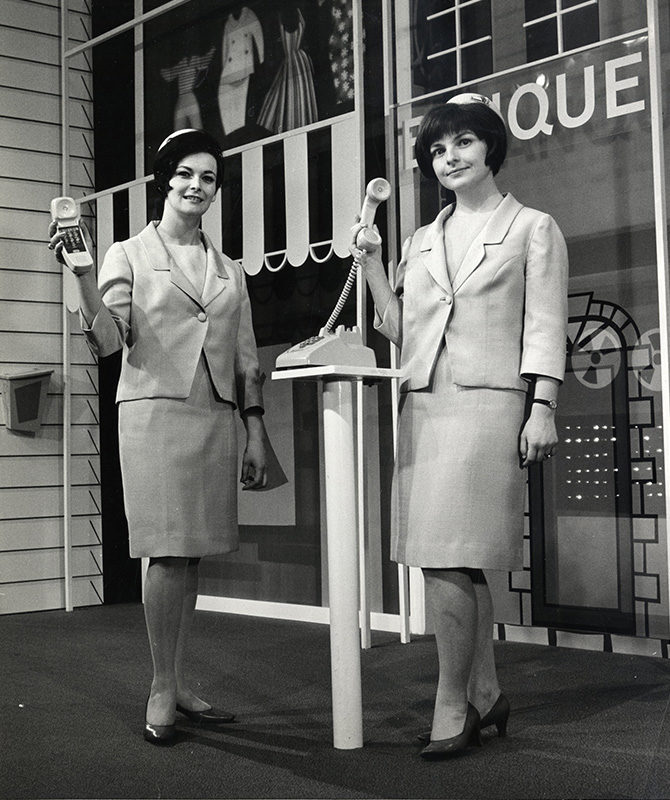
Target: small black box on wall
(24, 398)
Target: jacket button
(202, 316)
(448, 299)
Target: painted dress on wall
(291, 101)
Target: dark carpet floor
(73, 687)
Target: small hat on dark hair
(184, 142)
(470, 97)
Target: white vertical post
(138, 69)
(65, 317)
(341, 514)
(660, 225)
(361, 455)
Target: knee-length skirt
(458, 487)
(179, 469)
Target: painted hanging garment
(291, 100)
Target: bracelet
(553, 405)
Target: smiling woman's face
(193, 186)
(459, 161)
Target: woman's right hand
(56, 244)
(365, 246)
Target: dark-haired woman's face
(192, 187)
(459, 161)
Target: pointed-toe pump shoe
(497, 715)
(438, 749)
(158, 734)
(210, 716)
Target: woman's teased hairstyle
(457, 115)
(184, 143)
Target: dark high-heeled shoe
(210, 716)
(446, 748)
(158, 734)
(497, 715)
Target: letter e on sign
(614, 85)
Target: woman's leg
(452, 599)
(164, 590)
(483, 687)
(185, 695)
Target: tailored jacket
(152, 311)
(504, 319)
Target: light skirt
(458, 488)
(179, 467)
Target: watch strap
(551, 403)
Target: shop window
(452, 42)
(557, 26)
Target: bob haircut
(175, 147)
(453, 118)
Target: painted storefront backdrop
(580, 149)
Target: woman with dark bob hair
(180, 312)
(479, 312)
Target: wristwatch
(553, 405)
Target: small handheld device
(75, 252)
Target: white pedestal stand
(339, 445)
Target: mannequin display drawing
(188, 73)
(291, 100)
(242, 38)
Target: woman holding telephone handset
(181, 313)
(479, 312)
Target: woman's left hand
(538, 437)
(254, 465)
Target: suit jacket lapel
(432, 249)
(161, 260)
(216, 275)
(492, 233)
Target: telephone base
(342, 347)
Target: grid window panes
(557, 26)
(452, 42)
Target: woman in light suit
(479, 312)
(180, 311)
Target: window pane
(571, 3)
(541, 40)
(539, 8)
(477, 61)
(440, 72)
(442, 33)
(580, 27)
(475, 22)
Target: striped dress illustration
(291, 100)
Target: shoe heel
(502, 728)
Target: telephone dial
(342, 346)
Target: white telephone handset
(75, 252)
(343, 347)
(376, 192)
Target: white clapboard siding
(21, 565)
(38, 77)
(43, 138)
(28, 256)
(84, 379)
(19, 471)
(47, 532)
(32, 558)
(49, 594)
(30, 165)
